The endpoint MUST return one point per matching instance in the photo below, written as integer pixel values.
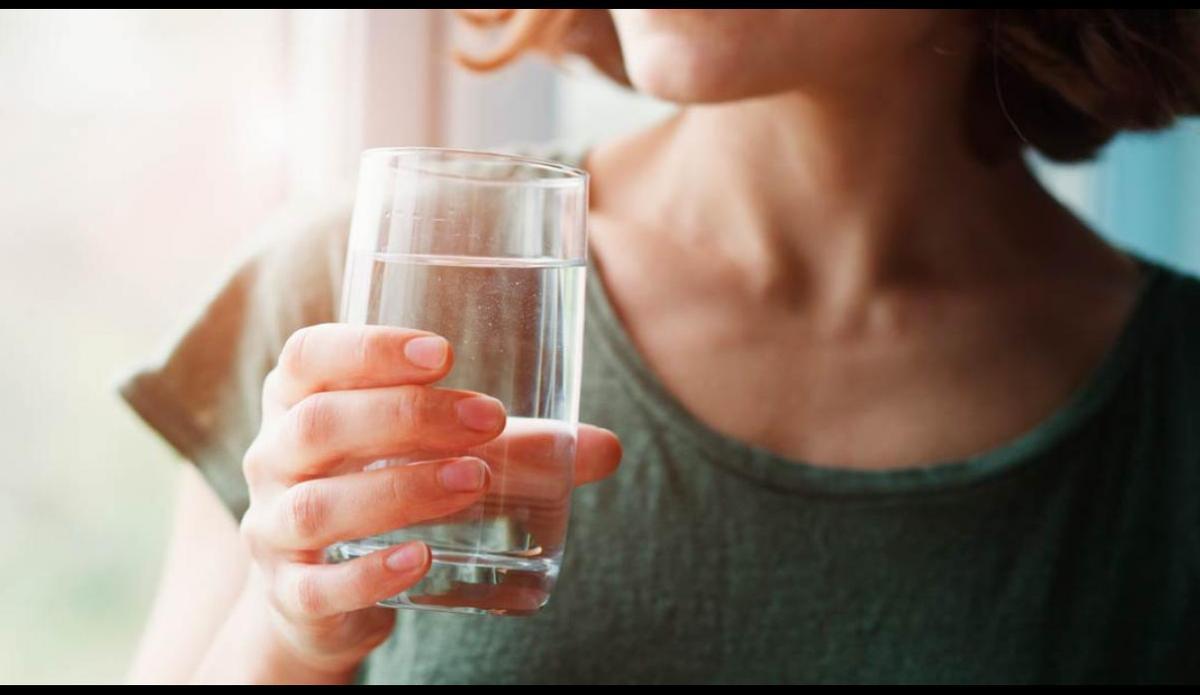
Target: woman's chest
(860, 396)
(679, 571)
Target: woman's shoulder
(202, 392)
(299, 258)
(1161, 408)
(1177, 307)
(1164, 393)
(1178, 354)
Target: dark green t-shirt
(1070, 554)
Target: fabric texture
(1070, 554)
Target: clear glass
(488, 251)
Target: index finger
(344, 357)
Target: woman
(889, 411)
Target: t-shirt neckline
(795, 475)
(769, 468)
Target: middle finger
(327, 428)
(317, 513)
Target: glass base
(468, 582)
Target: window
(141, 150)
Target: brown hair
(1062, 81)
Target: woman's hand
(340, 397)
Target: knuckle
(306, 511)
(407, 409)
(363, 584)
(254, 461)
(291, 358)
(272, 388)
(376, 347)
(306, 596)
(400, 491)
(312, 421)
(250, 529)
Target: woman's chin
(679, 72)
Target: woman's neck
(837, 278)
(831, 198)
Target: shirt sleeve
(203, 396)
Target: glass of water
(488, 251)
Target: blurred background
(140, 150)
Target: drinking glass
(488, 251)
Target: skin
(340, 396)
(847, 285)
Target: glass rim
(568, 176)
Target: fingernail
(407, 557)
(428, 351)
(480, 413)
(462, 475)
